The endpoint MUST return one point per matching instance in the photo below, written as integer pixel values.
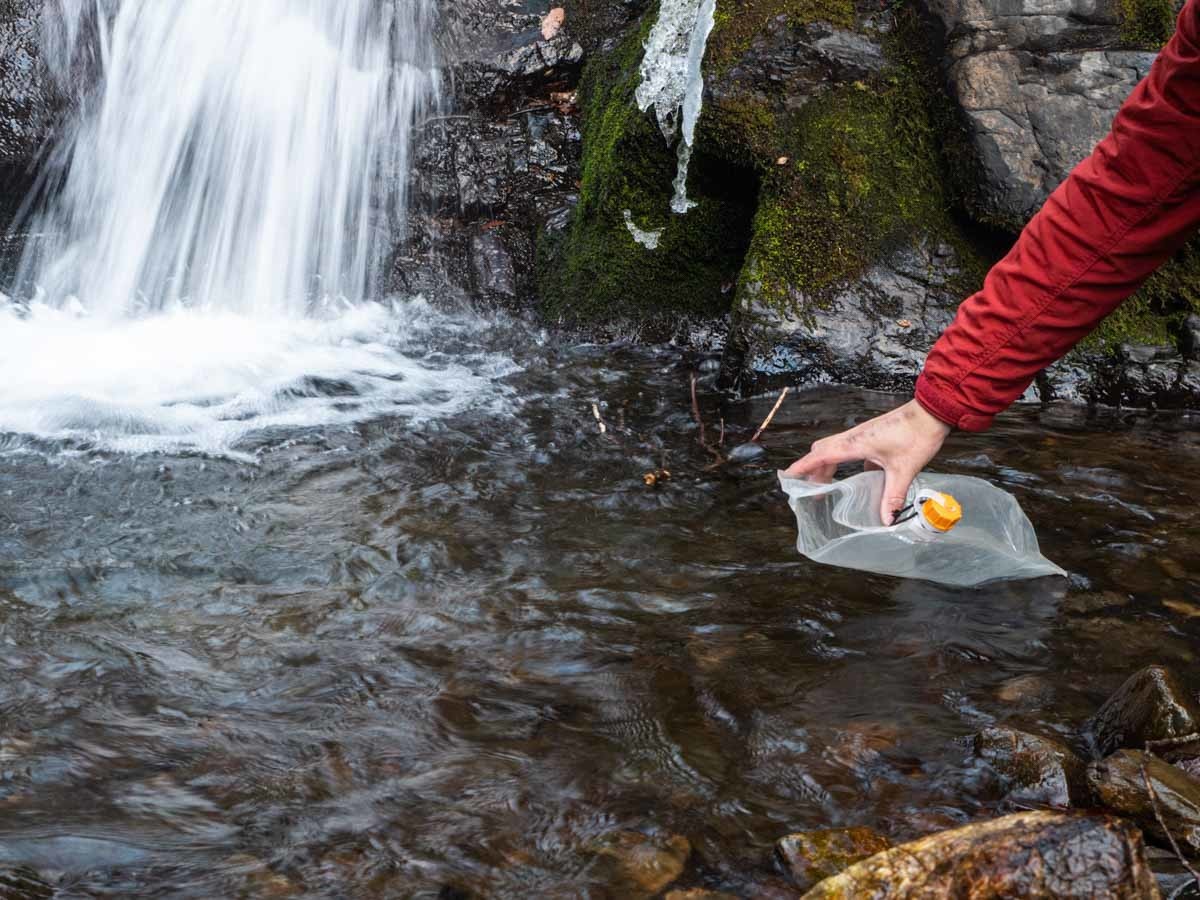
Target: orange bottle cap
(942, 513)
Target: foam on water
(204, 380)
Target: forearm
(1122, 213)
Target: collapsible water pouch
(959, 531)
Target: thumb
(896, 483)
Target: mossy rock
(738, 22)
(596, 271)
(865, 180)
(1147, 24)
(812, 856)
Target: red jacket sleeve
(1122, 213)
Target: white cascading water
(224, 200)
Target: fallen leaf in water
(1191, 610)
(782, 161)
(904, 323)
(553, 23)
(652, 479)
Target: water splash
(672, 79)
(246, 157)
(205, 380)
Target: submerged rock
(1119, 784)
(812, 856)
(1150, 706)
(1029, 855)
(1036, 769)
(643, 865)
(22, 883)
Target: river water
(398, 658)
(308, 593)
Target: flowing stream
(306, 592)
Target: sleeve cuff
(950, 410)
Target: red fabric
(1122, 213)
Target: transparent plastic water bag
(839, 525)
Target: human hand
(900, 443)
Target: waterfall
(248, 156)
(204, 267)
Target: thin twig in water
(1162, 823)
(720, 458)
(721, 442)
(599, 421)
(771, 415)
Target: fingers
(813, 467)
(896, 483)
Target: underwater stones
(1151, 705)
(643, 865)
(1035, 769)
(1120, 785)
(22, 883)
(812, 856)
(1030, 855)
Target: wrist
(926, 422)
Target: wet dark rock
(1150, 706)
(1118, 784)
(873, 332)
(29, 99)
(744, 453)
(1189, 338)
(812, 856)
(1036, 770)
(1029, 855)
(1133, 375)
(643, 865)
(22, 883)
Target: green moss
(737, 22)
(1156, 312)
(1147, 23)
(597, 271)
(866, 178)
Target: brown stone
(1036, 770)
(644, 865)
(1150, 706)
(1118, 784)
(1033, 855)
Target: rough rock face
(27, 100)
(1031, 855)
(501, 160)
(1034, 117)
(1039, 87)
(876, 330)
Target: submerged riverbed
(448, 655)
